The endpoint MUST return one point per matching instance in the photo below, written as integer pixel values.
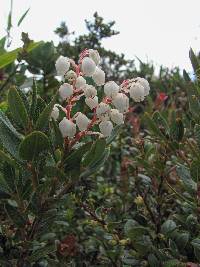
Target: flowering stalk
(111, 110)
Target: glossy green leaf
(9, 137)
(44, 117)
(9, 57)
(22, 17)
(32, 145)
(17, 108)
(95, 152)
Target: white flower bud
(106, 128)
(103, 111)
(65, 91)
(55, 113)
(94, 55)
(67, 128)
(92, 102)
(121, 102)
(137, 92)
(88, 66)
(62, 65)
(80, 82)
(90, 91)
(71, 75)
(82, 121)
(99, 77)
(116, 116)
(145, 84)
(111, 89)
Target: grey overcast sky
(157, 30)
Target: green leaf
(17, 108)
(14, 215)
(41, 253)
(44, 117)
(52, 171)
(95, 152)
(153, 127)
(74, 159)
(185, 177)
(194, 60)
(186, 76)
(9, 137)
(32, 145)
(95, 166)
(193, 98)
(58, 139)
(34, 100)
(168, 227)
(160, 121)
(182, 239)
(197, 134)
(9, 57)
(196, 243)
(171, 263)
(153, 261)
(4, 157)
(9, 177)
(177, 130)
(22, 17)
(9, 23)
(115, 133)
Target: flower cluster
(108, 111)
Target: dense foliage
(129, 200)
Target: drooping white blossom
(111, 89)
(65, 91)
(62, 65)
(137, 92)
(94, 55)
(116, 116)
(80, 83)
(55, 113)
(90, 91)
(121, 102)
(91, 102)
(88, 66)
(145, 84)
(82, 121)
(103, 111)
(67, 128)
(99, 76)
(106, 128)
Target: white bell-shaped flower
(99, 77)
(137, 92)
(80, 83)
(111, 89)
(55, 113)
(88, 66)
(67, 128)
(145, 84)
(94, 55)
(92, 102)
(62, 65)
(90, 91)
(103, 111)
(82, 121)
(106, 128)
(116, 116)
(65, 91)
(121, 102)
